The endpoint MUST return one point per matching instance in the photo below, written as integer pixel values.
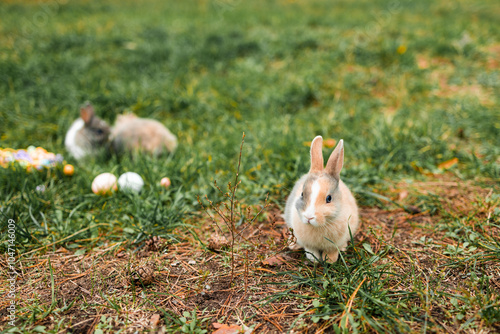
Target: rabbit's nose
(309, 219)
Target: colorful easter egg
(68, 170)
(165, 182)
(104, 184)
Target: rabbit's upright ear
(87, 112)
(336, 161)
(316, 155)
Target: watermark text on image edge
(11, 273)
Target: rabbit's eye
(99, 131)
(301, 194)
(328, 199)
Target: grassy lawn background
(409, 85)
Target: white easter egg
(130, 181)
(104, 184)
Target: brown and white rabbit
(321, 209)
(88, 134)
(133, 134)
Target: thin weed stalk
(233, 193)
(227, 212)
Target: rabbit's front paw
(331, 256)
(312, 255)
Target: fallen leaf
(329, 143)
(155, 319)
(493, 56)
(448, 164)
(420, 169)
(422, 62)
(225, 329)
(274, 261)
(217, 242)
(403, 194)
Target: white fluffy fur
(70, 141)
(309, 215)
(317, 239)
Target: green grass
(282, 72)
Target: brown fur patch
(133, 134)
(87, 113)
